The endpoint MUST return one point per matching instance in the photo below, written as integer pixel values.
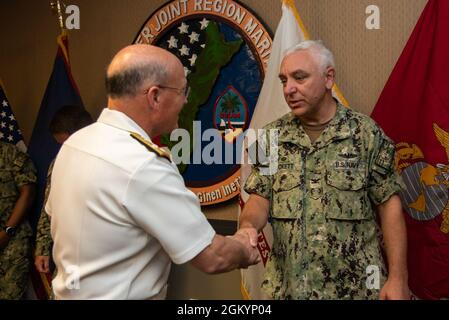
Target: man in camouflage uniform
(44, 243)
(17, 188)
(335, 167)
(65, 122)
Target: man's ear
(153, 96)
(330, 77)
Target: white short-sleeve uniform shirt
(120, 215)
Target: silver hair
(324, 55)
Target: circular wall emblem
(225, 50)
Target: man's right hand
(4, 239)
(42, 264)
(251, 233)
(225, 254)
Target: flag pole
(56, 7)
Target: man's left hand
(395, 290)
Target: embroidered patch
(288, 166)
(346, 164)
(386, 155)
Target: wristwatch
(10, 231)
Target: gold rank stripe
(151, 146)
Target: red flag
(413, 109)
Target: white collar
(121, 121)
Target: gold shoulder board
(151, 146)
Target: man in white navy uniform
(120, 210)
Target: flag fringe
(244, 291)
(292, 6)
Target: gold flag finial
(56, 7)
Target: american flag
(9, 128)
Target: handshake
(246, 239)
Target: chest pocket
(346, 183)
(7, 184)
(287, 194)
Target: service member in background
(17, 190)
(65, 122)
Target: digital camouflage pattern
(44, 242)
(321, 207)
(15, 263)
(16, 170)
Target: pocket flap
(353, 180)
(287, 195)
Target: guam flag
(61, 90)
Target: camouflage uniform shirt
(44, 242)
(322, 201)
(16, 170)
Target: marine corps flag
(270, 106)
(413, 111)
